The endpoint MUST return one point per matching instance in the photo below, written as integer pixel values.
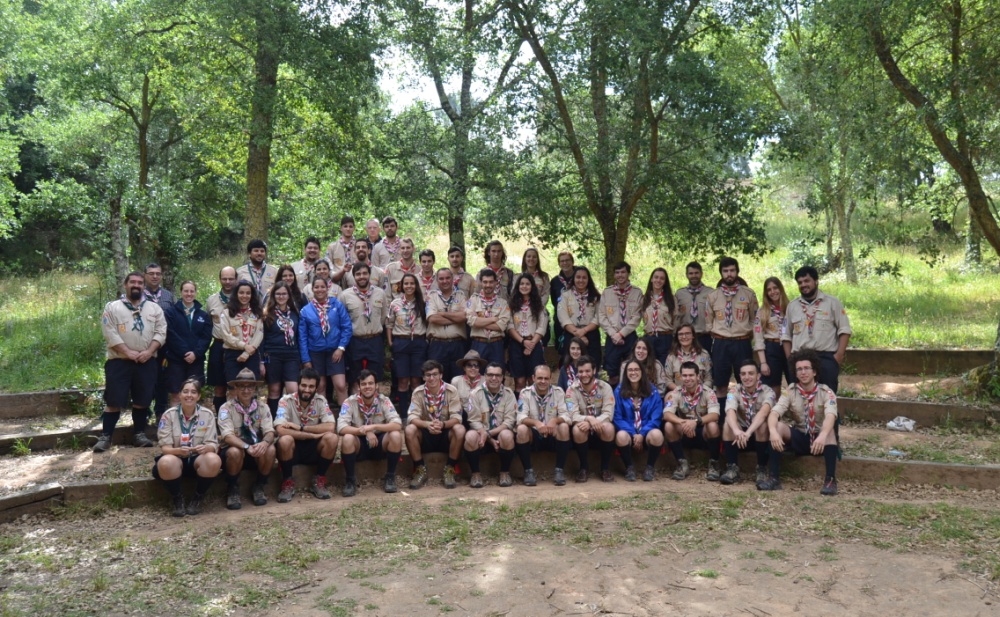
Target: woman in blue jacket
(281, 343)
(189, 333)
(638, 417)
(324, 332)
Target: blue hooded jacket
(311, 334)
(651, 413)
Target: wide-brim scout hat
(472, 356)
(245, 376)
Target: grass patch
(119, 496)
(706, 573)
(21, 447)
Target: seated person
(247, 434)
(491, 425)
(591, 403)
(434, 424)
(691, 418)
(307, 435)
(638, 418)
(747, 406)
(369, 428)
(543, 423)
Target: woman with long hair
(686, 348)
(576, 348)
(658, 313)
(528, 322)
(406, 325)
(495, 257)
(770, 326)
(655, 373)
(577, 313)
(281, 343)
(286, 274)
(638, 418)
(242, 331)
(323, 271)
(531, 263)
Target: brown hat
(472, 356)
(245, 376)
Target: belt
(442, 339)
(772, 340)
(664, 333)
(731, 338)
(483, 339)
(216, 340)
(367, 336)
(409, 337)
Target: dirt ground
(931, 388)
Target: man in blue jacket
(324, 332)
(189, 333)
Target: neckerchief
(391, 248)
(411, 269)
(566, 282)
(365, 297)
(810, 317)
(523, 326)
(189, 313)
(248, 323)
(809, 401)
(368, 411)
(426, 282)
(686, 356)
(308, 414)
(542, 402)
(137, 323)
(623, 302)
(492, 400)
(187, 429)
(349, 257)
(776, 315)
(152, 297)
(447, 301)
(591, 398)
(307, 268)
(250, 417)
(582, 298)
(410, 308)
(691, 400)
(283, 319)
(324, 317)
(434, 402)
(223, 297)
(750, 400)
(488, 304)
(656, 312)
(729, 293)
(257, 276)
(694, 291)
(570, 375)
(637, 407)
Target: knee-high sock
(473, 456)
(607, 448)
(562, 453)
(774, 464)
(830, 457)
(323, 466)
(583, 451)
(524, 453)
(626, 453)
(652, 454)
(763, 453)
(203, 485)
(109, 421)
(286, 469)
(713, 448)
(506, 458)
(140, 420)
(732, 453)
(350, 464)
(391, 460)
(173, 486)
(676, 449)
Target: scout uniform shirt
(303, 273)
(576, 309)
(505, 278)
(176, 432)
(394, 276)
(367, 313)
(437, 303)
(490, 411)
(690, 407)
(816, 325)
(657, 318)
(770, 325)
(525, 324)
(691, 307)
(216, 305)
(731, 315)
(290, 412)
(403, 320)
(351, 413)
(599, 402)
(137, 327)
(702, 359)
(620, 310)
(242, 330)
(543, 283)
(262, 280)
(746, 405)
(477, 307)
(250, 426)
(543, 408)
(385, 253)
(427, 283)
(465, 281)
(340, 254)
(806, 411)
(429, 407)
(333, 290)
(465, 390)
(377, 278)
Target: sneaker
(103, 443)
(829, 487)
(233, 498)
(476, 481)
(259, 498)
(769, 484)
(390, 483)
(529, 478)
(606, 476)
(350, 487)
(683, 469)
(560, 477)
(581, 477)
(649, 474)
(449, 477)
(319, 489)
(178, 506)
(419, 477)
(505, 479)
(731, 475)
(141, 441)
(287, 491)
(194, 506)
(712, 475)
(630, 474)
(761, 474)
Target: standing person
(733, 309)
(387, 251)
(496, 259)
(819, 322)
(246, 431)
(531, 263)
(405, 265)
(619, 314)
(323, 271)
(528, 324)
(491, 423)
(687, 348)
(281, 344)
(691, 418)
(324, 334)
(447, 330)
(303, 268)
(134, 329)
(462, 279)
(692, 305)
(638, 418)
(189, 333)
(543, 423)
(152, 291)
(654, 371)
(188, 444)
(367, 305)
(577, 312)
(563, 280)
(406, 327)
(377, 278)
(658, 313)
(370, 429)
(488, 315)
(216, 305)
(256, 269)
(592, 405)
(577, 348)
(805, 419)
(286, 275)
(242, 331)
(372, 231)
(471, 378)
(340, 252)
(426, 276)
(747, 406)
(434, 424)
(307, 435)
(768, 329)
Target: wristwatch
(246, 446)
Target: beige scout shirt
(485, 417)
(377, 278)
(465, 390)
(437, 303)
(767, 326)
(702, 359)
(744, 312)
(118, 325)
(544, 284)
(215, 307)
(827, 317)
(609, 314)
(684, 300)
(576, 310)
(394, 276)
(466, 282)
(598, 402)
(262, 281)
(657, 318)
(676, 403)
(384, 253)
(403, 320)
(498, 308)
(735, 403)
(291, 412)
(303, 273)
(333, 290)
(378, 307)
(427, 410)
(543, 408)
(793, 404)
(660, 381)
(202, 428)
(242, 330)
(525, 324)
(384, 412)
(231, 421)
(340, 254)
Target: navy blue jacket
(274, 339)
(183, 337)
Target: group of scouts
(317, 330)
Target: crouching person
(247, 434)
(370, 429)
(748, 405)
(307, 434)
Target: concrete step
(926, 414)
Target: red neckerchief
(542, 402)
(623, 302)
(434, 402)
(694, 291)
(729, 293)
(365, 297)
(324, 317)
(368, 411)
(691, 400)
(809, 401)
(750, 400)
(248, 322)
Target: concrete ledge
(50, 440)
(926, 414)
(32, 404)
(916, 361)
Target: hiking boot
(683, 469)
(731, 475)
(141, 441)
(319, 488)
(103, 443)
(259, 498)
(194, 506)
(712, 475)
(630, 474)
(829, 487)
(761, 474)
(449, 477)
(476, 481)
(419, 477)
(581, 476)
(769, 484)
(178, 506)
(505, 479)
(287, 491)
(390, 483)
(649, 474)
(560, 477)
(529, 478)
(606, 476)
(350, 487)
(233, 498)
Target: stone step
(926, 414)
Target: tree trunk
(119, 256)
(460, 186)
(265, 90)
(973, 244)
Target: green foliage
(21, 447)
